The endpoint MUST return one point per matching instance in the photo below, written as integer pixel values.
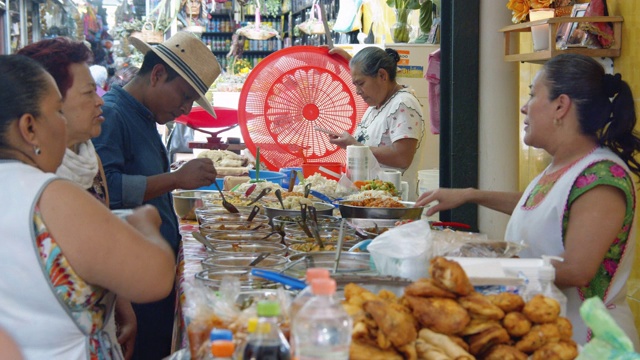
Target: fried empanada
(445, 316)
(427, 288)
(479, 306)
(504, 352)
(563, 350)
(450, 276)
(428, 351)
(507, 301)
(398, 326)
(481, 342)
(356, 295)
(477, 325)
(409, 351)
(538, 337)
(516, 324)
(445, 343)
(541, 309)
(565, 327)
(360, 351)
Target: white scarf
(82, 167)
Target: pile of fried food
(443, 318)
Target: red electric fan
(287, 95)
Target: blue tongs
(290, 281)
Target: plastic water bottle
(546, 285)
(306, 294)
(222, 349)
(219, 340)
(252, 325)
(267, 342)
(322, 328)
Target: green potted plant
(401, 29)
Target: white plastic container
(322, 328)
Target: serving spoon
(262, 193)
(279, 196)
(225, 204)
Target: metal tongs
(339, 247)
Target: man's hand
(195, 173)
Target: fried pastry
(563, 350)
(450, 276)
(445, 316)
(538, 337)
(357, 295)
(360, 351)
(477, 325)
(481, 342)
(445, 343)
(460, 342)
(426, 351)
(427, 288)
(541, 309)
(398, 326)
(565, 327)
(409, 351)
(503, 352)
(479, 306)
(516, 324)
(507, 301)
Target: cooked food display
(377, 203)
(443, 318)
(376, 185)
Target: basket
(149, 34)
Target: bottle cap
(252, 325)
(222, 348)
(268, 308)
(220, 334)
(323, 286)
(316, 273)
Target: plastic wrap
(468, 244)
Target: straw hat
(190, 58)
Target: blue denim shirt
(131, 150)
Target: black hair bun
(394, 54)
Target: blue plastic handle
(292, 282)
(322, 197)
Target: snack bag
(403, 251)
(609, 341)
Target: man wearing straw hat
(173, 75)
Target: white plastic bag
(403, 251)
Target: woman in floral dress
(65, 256)
(582, 206)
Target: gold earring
(557, 122)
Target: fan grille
(287, 95)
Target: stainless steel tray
(409, 212)
(321, 209)
(349, 262)
(373, 283)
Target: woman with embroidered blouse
(582, 206)
(393, 125)
(65, 257)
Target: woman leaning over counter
(582, 206)
(72, 252)
(393, 125)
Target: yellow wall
(533, 161)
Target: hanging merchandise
(257, 31)
(433, 77)
(349, 16)
(313, 25)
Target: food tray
(349, 262)
(368, 225)
(242, 261)
(373, 283)
(213, 279)
(409, 212)
(321, 209)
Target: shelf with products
(513, 53)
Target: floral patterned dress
(600, 173)
(89, 306)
